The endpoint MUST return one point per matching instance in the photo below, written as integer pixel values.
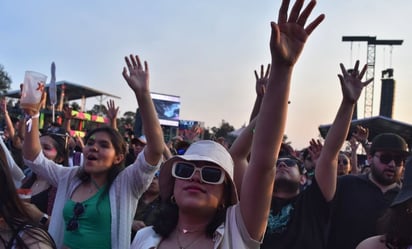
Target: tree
(5, 80)
(223, 130)
(98, 110)
(126, 122)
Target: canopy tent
(71, 91)
(377, 125)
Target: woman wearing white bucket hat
(200, 207)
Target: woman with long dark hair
(17, 229)
(95, 202)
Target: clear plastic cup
(33, 87)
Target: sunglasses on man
(287, 161)
(208, 173)
(386, 158)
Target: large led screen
(167, 108)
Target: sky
(206, 52)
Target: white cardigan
(124, 193)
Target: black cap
(389, 142)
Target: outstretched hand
(262, 81)
(315, 148)
(361, 134)
(112, 110)
(351, 82)
(289, 33)
(135, 75)
(67, 112)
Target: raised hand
(137, 78)
(361, 134)
(289, 34)
(112, 110)
(353, 144)
(262, 81)
(67, 112)
(351, 82)
(315, 148)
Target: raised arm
(354, 168)
(261, 83)
(7, 119)
(31, 144)
(241, 147)
(138, 79)
(326, 168)
(287, 41)
(112, 111)
(240, 151)
(67, 113)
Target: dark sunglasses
(208, 174)
(387, 158)
(287, 161)
(73, 223)
(343, 161)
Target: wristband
(44, 219)
(29, 120)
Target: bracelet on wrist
(29, 120)
(44, 219)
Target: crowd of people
(112, 190)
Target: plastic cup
(33, 87)
(24, 194)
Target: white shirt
(232, 234)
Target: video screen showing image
(167, 108)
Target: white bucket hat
(204, 150)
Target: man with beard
(298, 219)
(361, 200)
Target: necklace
(185, 231)
(179, 243)
(94, 184)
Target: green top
(94, 223)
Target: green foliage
(126, 122)
(223, 130)
(5, 80)
(98, 110)
(207, 135)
